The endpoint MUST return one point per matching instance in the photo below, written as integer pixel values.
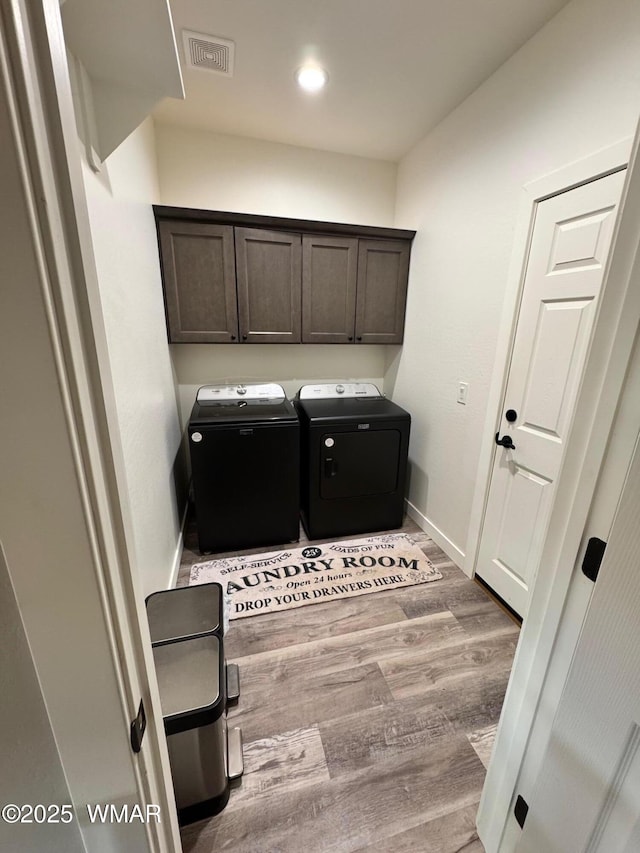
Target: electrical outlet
(463, 389)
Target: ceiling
(396, 67)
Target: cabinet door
(383, 271)
(268, 265)
(199, 278)
(329, 268)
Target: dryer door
(359, 463)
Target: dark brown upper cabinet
(199, 275)
(329, 275)
(383, 271)
(268, 269)
(232, 277)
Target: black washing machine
(244, 442)
(354, 459)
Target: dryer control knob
(339, 389)
(196, 436)
(329, 442)
(241, 389)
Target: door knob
(505, 441)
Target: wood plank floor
(368, 722)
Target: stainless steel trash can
(191, 611)
(204, 757)
(186, 611)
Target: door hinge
(138, 727)
(521, 810)
(593, 558)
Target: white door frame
(601, 163)
(613, 475)
(34, 75)
(613, 488)
(609, 355)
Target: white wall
(125, 245)
(33, 770)
(290, 365)
(198, 168)
(572, 89)
(208, 170)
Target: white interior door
(564, 273)
(587, 796)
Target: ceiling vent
(210, 53)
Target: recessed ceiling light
(311, 78)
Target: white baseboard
(443, 541)
(173, 578)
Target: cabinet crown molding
(305, 226)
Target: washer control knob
(241, 390)
(196, 436)
(329, 442)
(339, 389)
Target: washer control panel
(227, 393)
(334, 391)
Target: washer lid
(338, 390)
(268, 392)
(242, 412)
(229, 404)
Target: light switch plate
(463, 389)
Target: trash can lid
(187, 611)
(190, 679)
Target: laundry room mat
(295, 577)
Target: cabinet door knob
(350, 337)
(233, 337)
(359, 338)
(244, 337)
